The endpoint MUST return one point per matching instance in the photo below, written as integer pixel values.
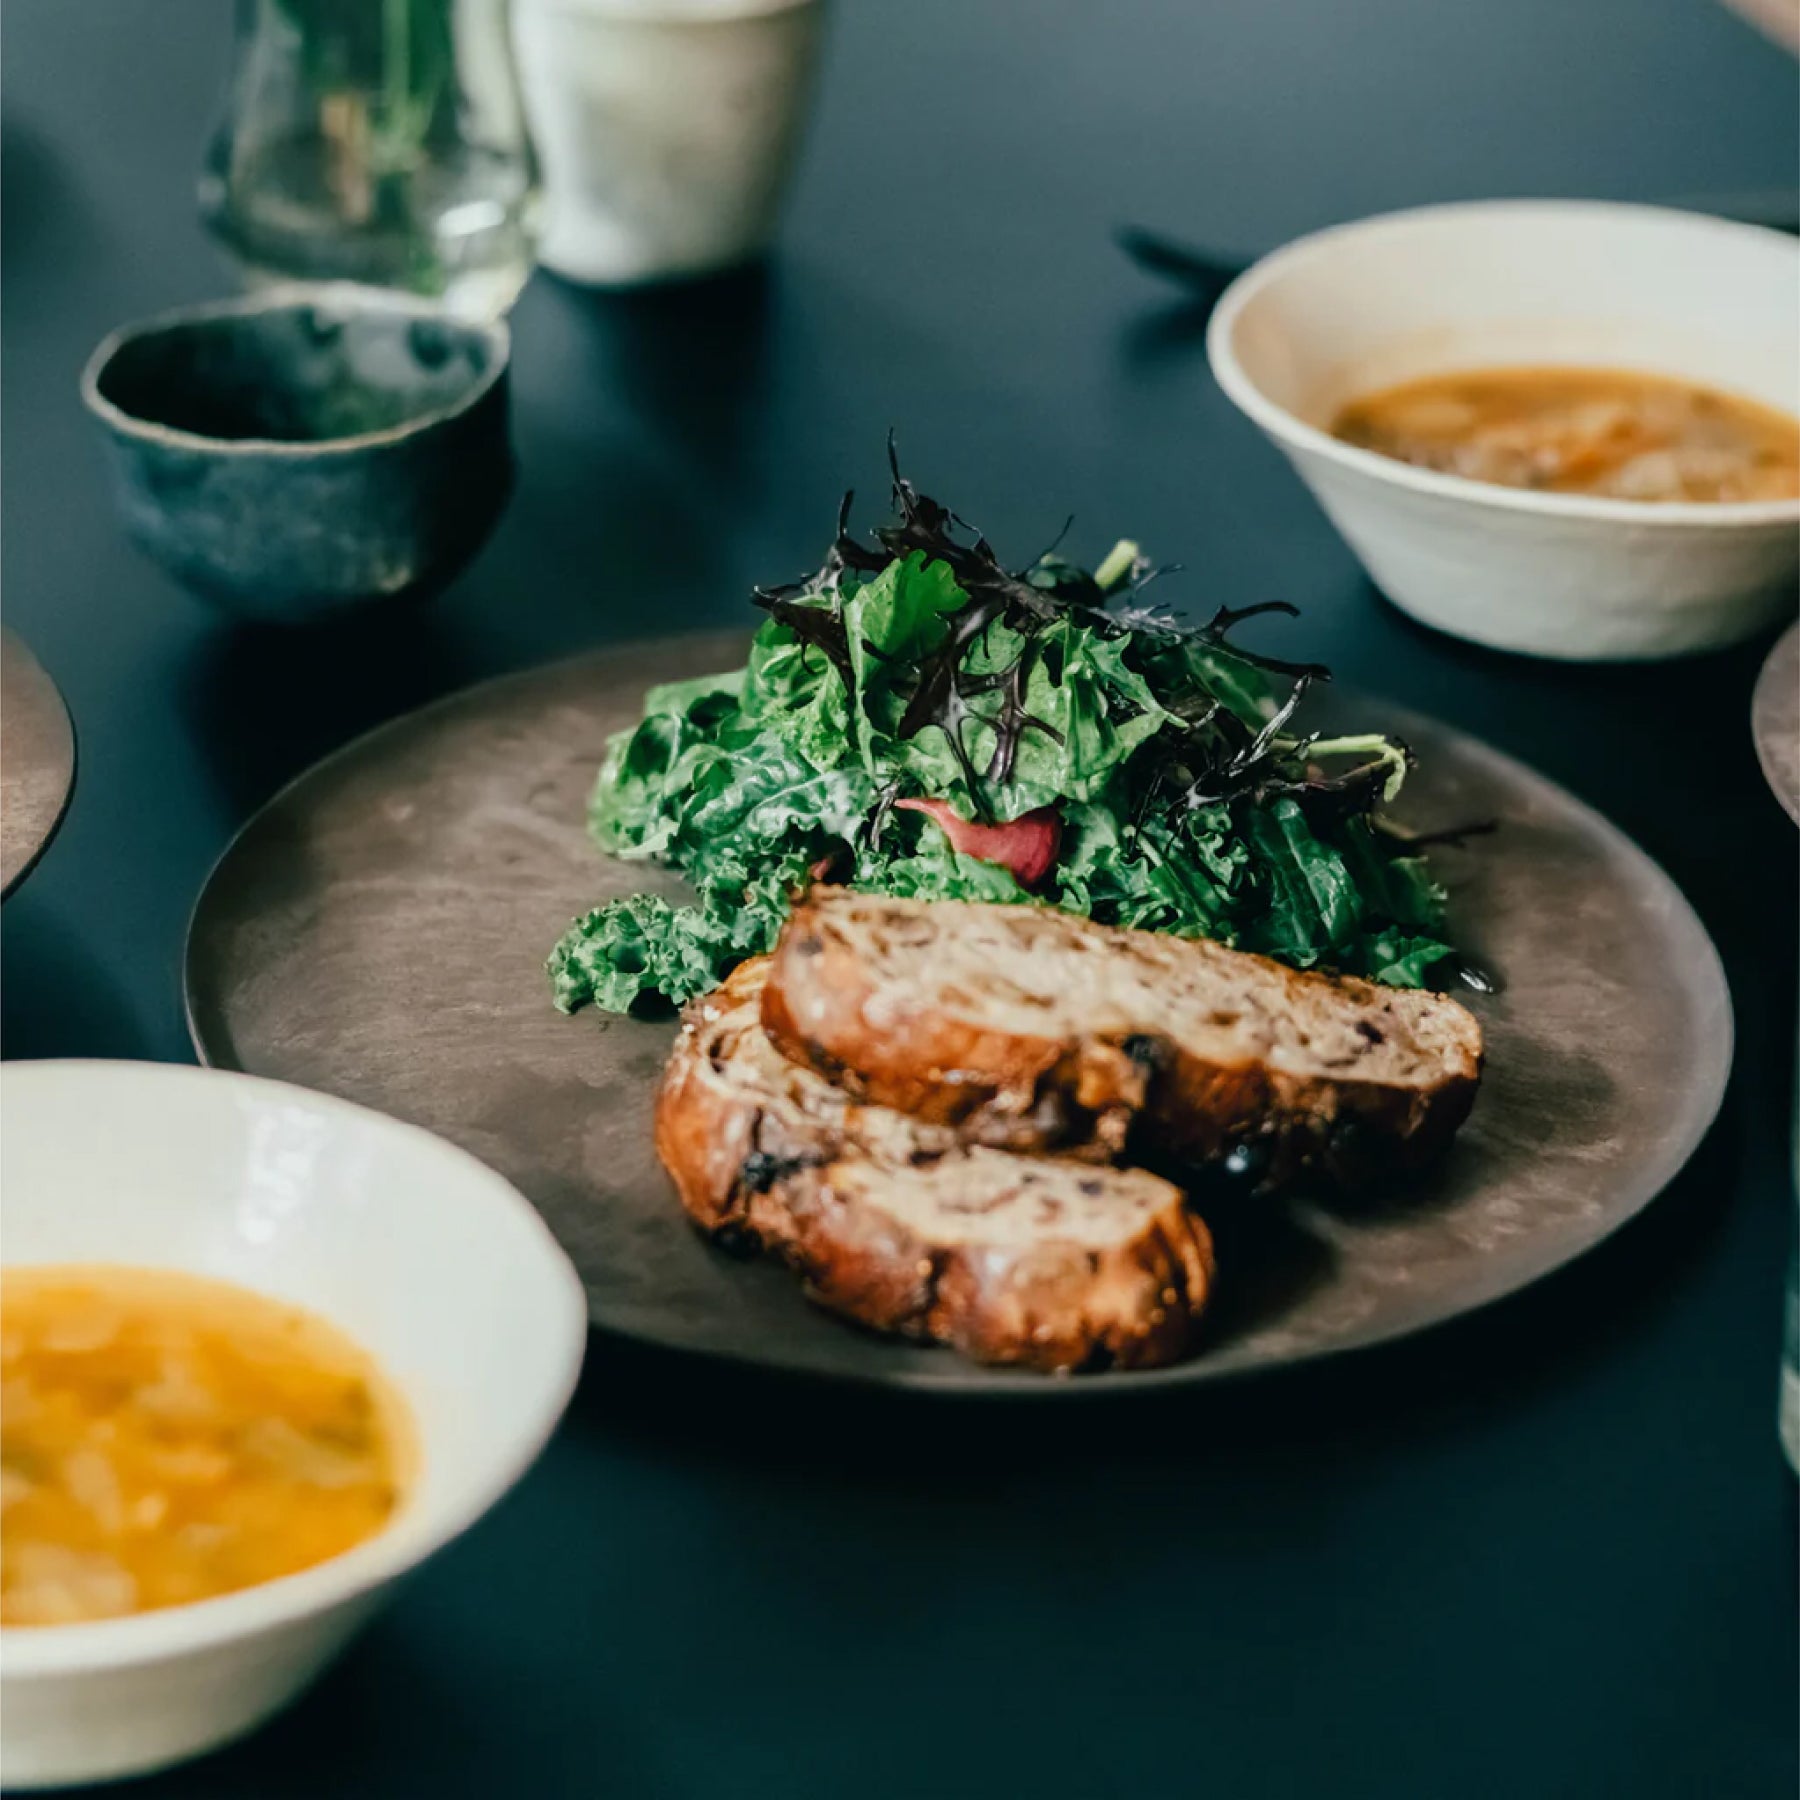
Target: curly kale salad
(916, 719)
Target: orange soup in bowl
(166, 1438)
(1614, 432)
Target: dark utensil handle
(1206, 274)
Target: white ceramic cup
(667, 129)
(429, 1260)
(1412, 294)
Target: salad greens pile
(1158, 760)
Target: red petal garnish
(1026, 846)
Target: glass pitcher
(380, 141)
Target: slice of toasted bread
(734, 1115)
(1041, 1262)
(977, 1017)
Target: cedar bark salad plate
(378, 931)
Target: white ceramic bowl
(667, 129)
(428, 1259)
(1419, 293)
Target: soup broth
(1615, 432)
(165, 1438)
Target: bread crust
(1050, 1306)
(707, 1138)
(755, 1171)
(1279, 1127)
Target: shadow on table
(266, 702)
(54, 1000)
(38, 200)
(1491, 1362)
(368, 1717)
(1172, 332)
(689, 360)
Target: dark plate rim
(16, 647)
(1782, 664)
(1712, 1067)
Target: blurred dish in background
(376, 141)
(296, 453)
(1526, 284)
(37, 761)
(1778, 19)
(1775, 724)
(1775, 720)
(668, 128)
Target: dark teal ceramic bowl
(306, 449)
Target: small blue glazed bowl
(305, 450)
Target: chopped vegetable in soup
(1616, 432)
(165, 1438)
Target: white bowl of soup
(264, 1352)
(1561, 427)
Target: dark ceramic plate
(379, 930)
(37, 761)
(1775, 720)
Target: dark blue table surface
(1547, 1551)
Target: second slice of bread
(1035, 1261)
